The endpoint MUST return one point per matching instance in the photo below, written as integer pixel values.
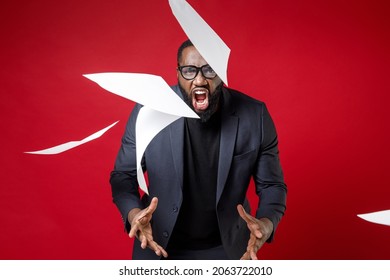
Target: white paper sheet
(162, 106)
(380, 217)
(146, 89)
(204, 38)
(149, 123)
(72, 144)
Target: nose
(200, 80)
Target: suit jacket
(248, 149)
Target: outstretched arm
(260, 231)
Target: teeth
(200, 91)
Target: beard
(213, 102)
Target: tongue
(200, 102)
(200, 97)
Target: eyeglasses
(189, 72)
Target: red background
(322, 68)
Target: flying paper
(162, 106)
(149, 123)
(72, 144)
(146, 89)
(204, 38)
(380, 217)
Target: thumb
(152, 206)
(147, 213)
(243, 214)
(250, 221)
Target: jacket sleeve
(123, 178)
(268, 177)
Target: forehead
(191, 56)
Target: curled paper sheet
(72, 144)
(149, 123)
(146, 89)
(162, 106)
(204, 38)
(380, 217)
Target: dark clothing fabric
(248, 149)
(215, 253)
(197, 225)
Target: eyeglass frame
(197, 71)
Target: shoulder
(241, 102)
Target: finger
(152, 206)
(251, 222)
(251, 250)
(148, 211)
(164, 253)
(252, 225)
(132, 233)
(145, 215)
(243, 214)
(154, 247)
(245, 256)
(253, 255)
(133, 230)
(144, 241)
(158, 249)
(255, 231)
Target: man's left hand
(260, 229)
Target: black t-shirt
(197, 226)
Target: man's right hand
(142, 229)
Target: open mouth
(200, 99)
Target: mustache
(201, 87)
(217, 91)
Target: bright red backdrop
(322, 67)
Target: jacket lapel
(229, 124)
(177, 147)
(177, 143)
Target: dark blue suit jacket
(248, 149)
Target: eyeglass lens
(190, 72)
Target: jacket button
(175, 209)
(165, 234)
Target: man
(198, 173)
